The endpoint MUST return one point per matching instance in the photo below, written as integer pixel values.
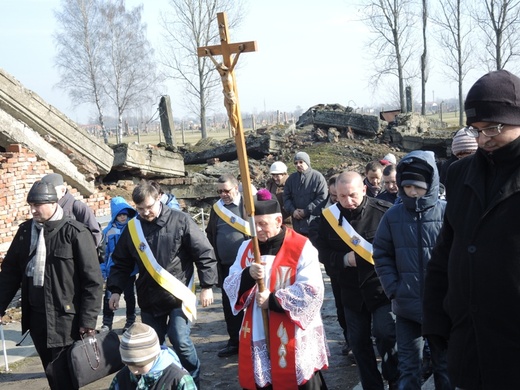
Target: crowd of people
(421, 257)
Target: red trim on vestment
(282, 348)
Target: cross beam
(225, 49)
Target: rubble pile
(331, 152)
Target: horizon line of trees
(106, 60)
(401, 40)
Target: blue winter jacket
(113, 230)
(405, 238)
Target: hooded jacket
(114, 229)
(171, 201)
(405, 239)
(472, 293)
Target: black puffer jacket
(178, 245)
(472, 291)
(73, 285)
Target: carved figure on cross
(226, 76)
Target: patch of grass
(190, 137)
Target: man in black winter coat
(54, 259)
(346, 231)
(472, 288)
(334, 276)
(166, 244)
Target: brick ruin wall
(19, 169)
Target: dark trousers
(57, 373)
(316, 382)
(233, 323)
(340, 312)
(129, 296)
(361, 325)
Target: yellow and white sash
(165, 279)
(231, 218)
(347, 233)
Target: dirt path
(209, 335)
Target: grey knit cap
(54, 178)
(139, 345)
(303, 157)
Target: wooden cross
(227, 66)
(226, 70)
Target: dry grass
(189, 137)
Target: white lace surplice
(302, 302)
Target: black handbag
(94, 357)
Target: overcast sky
(310, 52)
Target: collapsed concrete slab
(258, 146)
(325, 116)
(147, 162)
(415, 132)
(13, 131)
(90, 157)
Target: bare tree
(391, 22)
(130, 70)
(453, 36)
(189, 25)
(500, 25)
(424, 57)
(80, 53)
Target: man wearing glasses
(227, 229)
(472, 294)
(165, 244)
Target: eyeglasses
(223, 191)
(141, 209)
(490, 131)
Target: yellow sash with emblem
(165, 279)
(231, 218)
(348, 234)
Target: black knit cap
(415, 175)
(494, 98)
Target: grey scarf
(36, 267)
